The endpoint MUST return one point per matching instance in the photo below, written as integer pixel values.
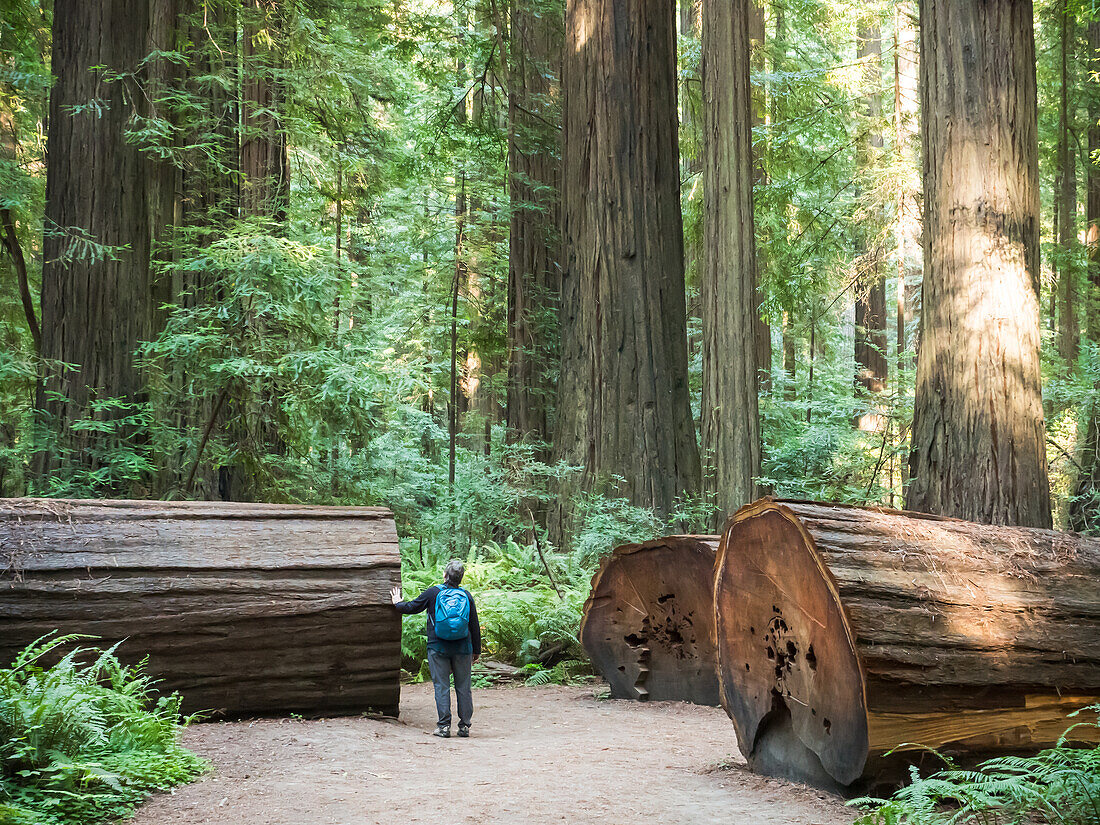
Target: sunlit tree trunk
(731, 430)
(907, 219)
(534, 246)
(97, 306)
(1084, 507)
(1093, 184)
(623, 396)
(870, 289)
(762, 331)
(1069, 333)
(978, 437)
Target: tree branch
(11, 242)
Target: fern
(1060, 786)
(84, 742)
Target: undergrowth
(84, 742)
(1059, 786)
(524, 620)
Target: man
(453, 646)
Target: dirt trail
(536, 755)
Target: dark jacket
(426, 601)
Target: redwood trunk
(534, 248)
(730, 314)
(870, 303)
(98, 306)
(647, 622)
(244, 609)
(978, 439)
(1084, 507)
(846, 632)
(624, 411)
(1069, 331)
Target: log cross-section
(845, 632)
(648, 625)
(246, 609)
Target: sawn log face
(648, 621)
(900, 627)
(246, 609)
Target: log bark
(245, 609)
(646, 624)
(979, 448)
(846, 632)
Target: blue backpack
(452, 613)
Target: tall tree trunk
(731, 427)
(255, 412)
(762, 330)
(1084, 507)
(98, 306)
(907, 220)
(1093, 183)
(1069, 332)
(978, 437)
(534, 246)
(870, 300)
(624, 411)
(265, 189)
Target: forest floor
(535, 755)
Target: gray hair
(454, 572)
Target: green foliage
(1060, 785)
(84, 742)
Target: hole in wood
(811, 658)
(828, 726)
(634, 640)
(665, 598)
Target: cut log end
(846, 634)
(647, 623)
(790, 677)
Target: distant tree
(870, 289)
(534, 244)
(978, 443)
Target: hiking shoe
(464, 731)
(442, 732)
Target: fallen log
(846, 632)
(246, 609)
(647, 624)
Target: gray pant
(442, 667)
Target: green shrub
(84, 742)
(1060, 786)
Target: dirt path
(536, 755)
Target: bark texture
(730, 426)
(845, 632)
(978, 440)
(244, 609)
(534, 247)
(623, 410)
(99, 305)
(647, 622)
